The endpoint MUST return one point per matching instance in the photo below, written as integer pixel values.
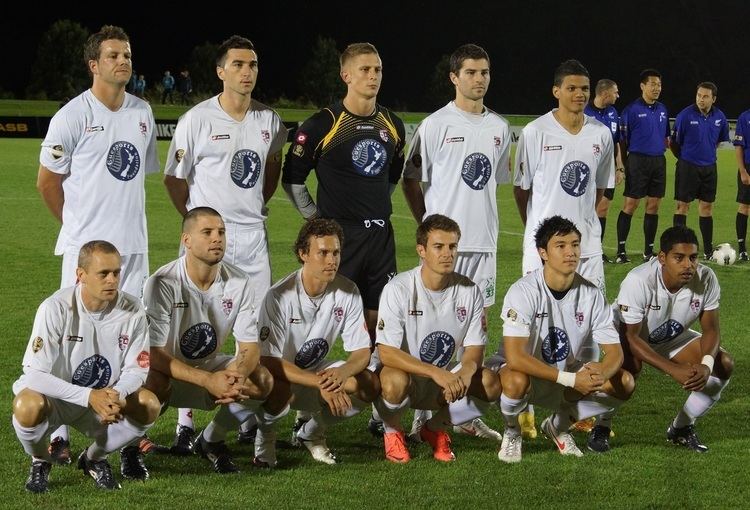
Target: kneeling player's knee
(158, 383)
(30, 408)
(263, 379)
(368, 386)
(143, 406)
(394, 384)
(624, 384)
(724, 368)
(491, 385)
(514, 384)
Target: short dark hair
(553, 226)
(570, 67)
(467, 51)
(319, 227)
(436, 222)
(677, 235)
(603, 85)
(193, 214)
(356, 49)
(233, 43)
(647, 73)
(92, 48)
(88, 250)
(708, 85)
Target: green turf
(641, 471)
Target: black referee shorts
(694, 181)
(743, 191)
(645, 176)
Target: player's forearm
(177, 189)
(54, 387)
(296, 375)
(248, 357)
(471, 359)
(646, 354)
(50, 188)
(414, 198)
(130, 381)
(675, 148)
(176, 369)
(739, 154)
(529, 365)
(357, 362)
(271, 176)
(612, 360)
(398, 359)
(522, 200)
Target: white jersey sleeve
(136, 361)
(526, 159)
(354, 331)
(272, 324)
(518, 311)
(603, 325)
(633, 298)
(58, 146)
(181, 149)
(279, 138)
(605, 174)
(713, 292)
(246, 325)
(417, 164)
(477, 331)
(158, 298)
(391, 320)
(503, 170)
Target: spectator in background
(168, 85)
(185, 86)
(140, 86)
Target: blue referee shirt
(742, 135)
(607, 116)
(645, 127)
(698, 134)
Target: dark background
(688, 41)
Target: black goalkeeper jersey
(356, 159)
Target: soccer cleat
(131, 464)
(743, 256)
(147, 446)
(298, 424)
(319, 450)
(479, 429)
(395, 447)
(606, 259)
(648, 256)
(184, 442)
(265, 448)
(375, 427)
(686, 436)
(622, 258)
(528, 427)
(248, 437)
(510, 449)
(59, 451)
(217, 453)
(100, 471)
(585, 426)
(565, 443)
(413, 437)
(599, 439)
(440, 442)
(38, 480)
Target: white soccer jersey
(193, 324)
(563, 172)
(461, 158)
(92, 350)
(223, 160)
(431, 326)
(666, 317)
(561, 333)
(104, 156)
(295, 328)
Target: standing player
(299, 321)
(698, 131)
(226, 154)
(93, 162)
(657, 304)
(86, 361)
(553, 319)
(644, 125)
(193, 303)
(742, 151)
(428, 315)
(602, 109)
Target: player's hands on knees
(226, 386)
(452, 384)
(682, 373)
(699, 380)
(338, 401)
(589, 379)
(332, 379)
(105, 402)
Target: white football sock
(33, 439)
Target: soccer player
(698, 131)
(193, 303)
(742, 151)
(644, 138)
(299, 321)
(226, 154)
(93, 162)
(85, 365)
(427, 315)
(602, 109)
(657, 304)
(553, 319)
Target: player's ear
(453, 78)
(185, 238)
(556, 91)
(345, 75)
(80, 272)
(220, 72)
(421, 251)
(662, 257)
(543, 254)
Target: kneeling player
(657, 304)
(554, 320)
(299, 321)
(427, 315)
(84, 366)
(193, 303)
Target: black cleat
(131, 464)
(184, 442)
(743, 256)
(38, 480)
(298, 424)
(100, 471)
(648, 256)
(686, 436)
(606, 259)
(599, 439)
(375, 427)
(59, 451)
(622, 258)
(247, 437)
(217, 453)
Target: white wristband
(566, 378)
(708, 360)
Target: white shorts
(188, 395)
(591, 268)
(132, 277)
(670, 349)
(307, 398)
(424, 392)
(83, 419)
(481, 268)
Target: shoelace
(39, 472)
(510, 447)
(102, 472)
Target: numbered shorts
(481, 268)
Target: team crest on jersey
(338, 314)
(142, 127)
(695, 305)
(666, 332)
(498, 141)
(384, 135)
(461, 313)
(597, 150)
(264, 332)
(179, 154)
(143, 359)
(476, 170)
(37, 344)
(437, 348)
(368, 157)
(381, 324)
(623, 308)
(93, 372)
(575, 177)
(122, 341)
(311, 353)
(265, 135)
(555, 346)
(123, 161)
(245, 168)
(226, 305)
(512, 315)
(579, 319)
(198, 341)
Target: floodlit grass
(641, 471)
